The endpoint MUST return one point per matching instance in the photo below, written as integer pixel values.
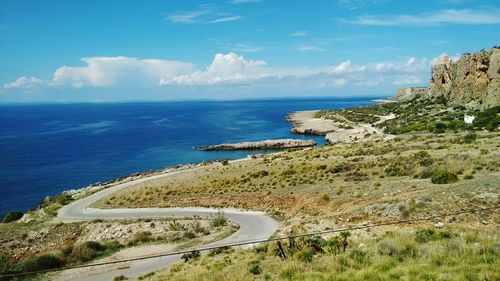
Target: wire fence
(252, 242)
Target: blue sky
(74, 51)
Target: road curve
(253, 225)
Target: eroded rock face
(472, 81)
(406, 94)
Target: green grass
(389, 256)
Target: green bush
(87, 251)
(12, 216)
(189, 235)
(425, 174)
(142, 237)
(306, 254)
(6, 267)
(423, 158)
(389, 248)
(469, 138)
(255, 269)
(425, 235)
(441, 176)
(488, 119)
(218, 251)
(218, 220)
(41, 263)
(191, 255)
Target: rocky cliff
(473, 81)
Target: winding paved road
(253, 225)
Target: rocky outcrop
(304, 122)
(265, 144)
(473, 81)
(406, 94)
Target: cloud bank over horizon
(225, 72)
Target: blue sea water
(45, 149)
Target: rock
(477, 245)
(439, 225)
(406, 94)
(484, 222)
(362, 246)
(266, 144)
(472, 81)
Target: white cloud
(299, 33)
(229, 68)
(310, 48)
(24, 83)
(206, 14)
(452, 16)
(342, 67)
(225, 19)
(188, 17)
(104, 71)
(107, 71)
(410, 62)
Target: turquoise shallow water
(45, 149)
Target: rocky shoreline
(265, 144)
(306, 122)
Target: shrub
(189, 235)
(426, 173)
(191, 255)
(41, 263)
(339, 190)
(218, 251)
(425, 235)
(255, 269)
(389, 248)
(360, 257)
(218, 220)
(6, 267)
(324, 198)
(306, 254)
(12, 216)
(396, 169)
(468, 175)
(142, 237)
(87, 251)
(441, 176)
(470, 138)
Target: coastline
(337, 129)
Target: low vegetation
(422, 253)
(417, 115)
(359, 180)
(65, 244)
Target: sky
(118, 51)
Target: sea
(49, 148)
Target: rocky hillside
(473, 81)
